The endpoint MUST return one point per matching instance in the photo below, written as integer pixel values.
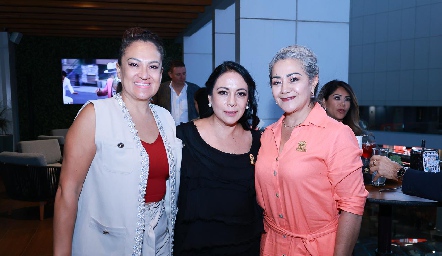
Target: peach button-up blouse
(303, 188)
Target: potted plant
(6, 140)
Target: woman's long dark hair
(352, 117)
(203, 102)
(249, 119)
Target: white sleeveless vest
(110, 216)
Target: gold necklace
(288, 126)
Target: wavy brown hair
(352, 117)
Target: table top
(395, 197)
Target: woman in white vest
(120, 175)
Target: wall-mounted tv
(88, 79)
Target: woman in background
(108, 89)
(117, 191)
(340, 102)
(218, 213)
(308, 173)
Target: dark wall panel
(39, 78)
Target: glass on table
(367, 149)
(381, 180)
(368, 144)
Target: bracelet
(401, 172)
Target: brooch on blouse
(302, 146)
(252, 159)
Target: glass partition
(402, 119)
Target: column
(8, 92)
(264, 27)
(197, 50)
(224, 35)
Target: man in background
(414, 182)
(177, 95)
(67, 85)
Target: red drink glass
(367, 150)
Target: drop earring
(210, 105)
(247, 107)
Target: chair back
(48, 137)
(59, 132)
(49, 148)
(26, 176)
(36, 159)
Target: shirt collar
(317, 116)
(185, 85)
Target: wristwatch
(401, 172)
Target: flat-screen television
(88, 79)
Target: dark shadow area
(28, 213)
(408, 223)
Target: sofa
(32, 176)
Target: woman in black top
(217, 209)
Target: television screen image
(88, 79)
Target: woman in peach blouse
(308, 174)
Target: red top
(158, 170)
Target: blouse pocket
(119, 156)
(111, 238)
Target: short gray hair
(301, 53)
